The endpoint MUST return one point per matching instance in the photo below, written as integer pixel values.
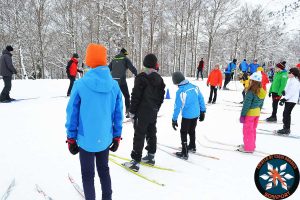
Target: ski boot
(184, 152)
(214, 102)
(191, 149)
(271, 119)
(149, 159)
(209, 101)
(242, 149)
(132, 165)
(283, 131)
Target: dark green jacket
(253, 103)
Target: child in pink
(252, 105)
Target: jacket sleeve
(208, 79)
(288, 90)
(137, 94)
(73, 109)
(177, 105)
(220, 79)
(68, 66)
(9, 64)
(118, 115)
(283, 82)
(131, 67)
(162, 95)
(201, 101)
(247, 103)
(110, 66)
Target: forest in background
(45, 33)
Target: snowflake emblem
(274, 176)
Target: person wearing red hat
(94, 121)
(277, 88)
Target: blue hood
(98, 79)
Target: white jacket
(292, 90)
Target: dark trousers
(188, 127)
(7, 87)
(288, 107)
(125, 92)
(72, 80)
(227, 79)
(275, 102)
(143, 129)
(87, 161)
(201, 72)
(213, 90)
(244, 94)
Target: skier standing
(277, 87)
(200, 69)
(253, 66)
(189, 101)
(215, 82)
(72, 69)
(228, 73)
(118, 67)
(6, 71)
(290, 99)
(251, 111)
(146, 99)
(94, 127)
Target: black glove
(283, 93)
(174, 124)
(219, 87)
(282, 101)
(202, 116)
(72, 145)
(115, 144)
(207, 85)
(270, 94)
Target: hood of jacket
(98, 79)
(154, 78)
(5, 51)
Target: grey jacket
(119, 66)
(6, 66)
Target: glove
(207, 85)
(115, 144)
(72, 145)
(283, 93)
(242, 119)
(282, 101)
(202, 116)
(174, 124)
(270, 94)
(219, 87)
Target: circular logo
(277, 176)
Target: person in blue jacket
(244, 66)
(190, 102)
(253, 66)
(228, 73)
(94, 121)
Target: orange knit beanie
(95, 55)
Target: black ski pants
(275, 102)
(125, 92)
(6, 89)
(227, 79)
(201, 73)
(72, 80)
(87, 162)
(213, 91)
(188, 127)
(143, 129)
(288, 107)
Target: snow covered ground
(33, 149)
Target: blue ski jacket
(230, 68)
(189, 101)
(253, 67)
(244, 66)
(95, 110)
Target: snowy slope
(33, 149)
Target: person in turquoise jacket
(228, 73)
(94, 121)
(277, 88)
(190, 102)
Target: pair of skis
(270, 132)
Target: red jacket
(215, 78)
(264, 80)
(72, 67)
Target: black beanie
(234, 60)
(75, 55)
(177, 77)
(150, 61)
(9, 48)
(124, 51)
